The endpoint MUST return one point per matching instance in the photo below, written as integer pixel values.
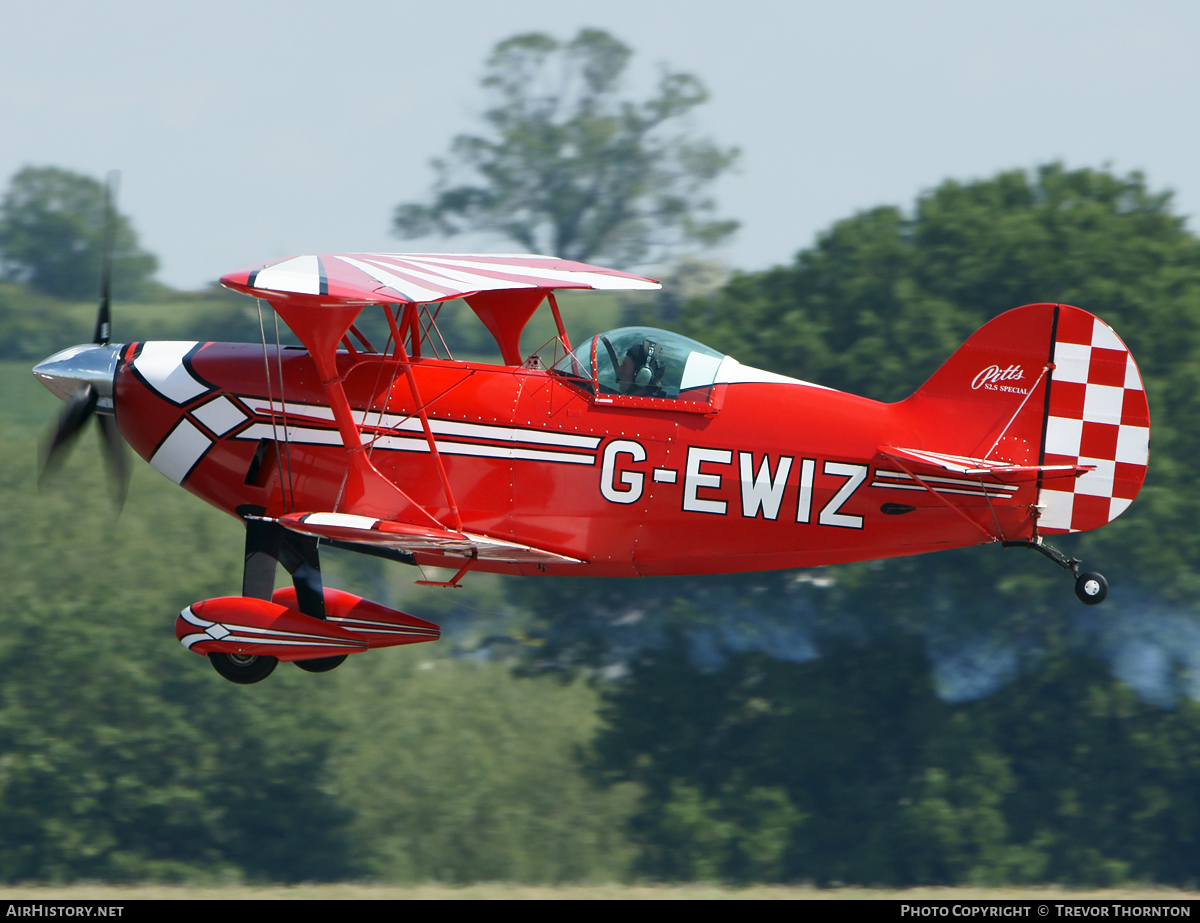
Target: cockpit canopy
(643, 362)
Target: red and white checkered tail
(1096, 415)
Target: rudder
(1096, 415)
(1044, 384)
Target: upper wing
(420, 278)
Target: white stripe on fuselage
(440, 427)
(304, 435)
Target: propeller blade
(115, 457)
(104, 316)
(74, 415)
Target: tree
(849, 769)
(52, 236)
(120, 761)
(572, 169)
(884, 297)
(946, 717)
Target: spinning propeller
(82, 376)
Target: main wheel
(321, 664)
(1091, 588)
(243, 668)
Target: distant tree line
(947, 718)
(51, 243)
(52, 236)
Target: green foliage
(457, 772)
(937, 719)
(883, 298)
(124, 757)
(212, 313)
(572, 169)
(1061, 775)
(740, 834)
(120, 759)
(850, 769)
(52, 236)
(33, 325)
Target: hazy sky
(247, 130)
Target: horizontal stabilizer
(977, 467)
(416, 539)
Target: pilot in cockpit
(640, 372)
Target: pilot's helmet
(648, 362)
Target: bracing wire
(287, 443)
(271, 401)
(386, 395)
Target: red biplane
(636, 452)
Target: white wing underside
(415, 539)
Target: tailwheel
(243, 669)
(1091, 588)
(323, 664)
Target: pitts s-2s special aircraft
(637, 452)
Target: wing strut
(366, 491)
(942, 499)
(454, 581)
(424, 417)
(558, 322)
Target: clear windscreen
(645, 362)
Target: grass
(503, 891)
(24, 401)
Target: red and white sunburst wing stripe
(1098, 417)
(422, 278)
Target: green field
(600, 892)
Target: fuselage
(767, 473)
(640, 452)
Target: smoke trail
(977, 638)
(971, 668)
(1154, 649)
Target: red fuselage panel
(780, 475)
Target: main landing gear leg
(267, 545)
(1090, 587)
